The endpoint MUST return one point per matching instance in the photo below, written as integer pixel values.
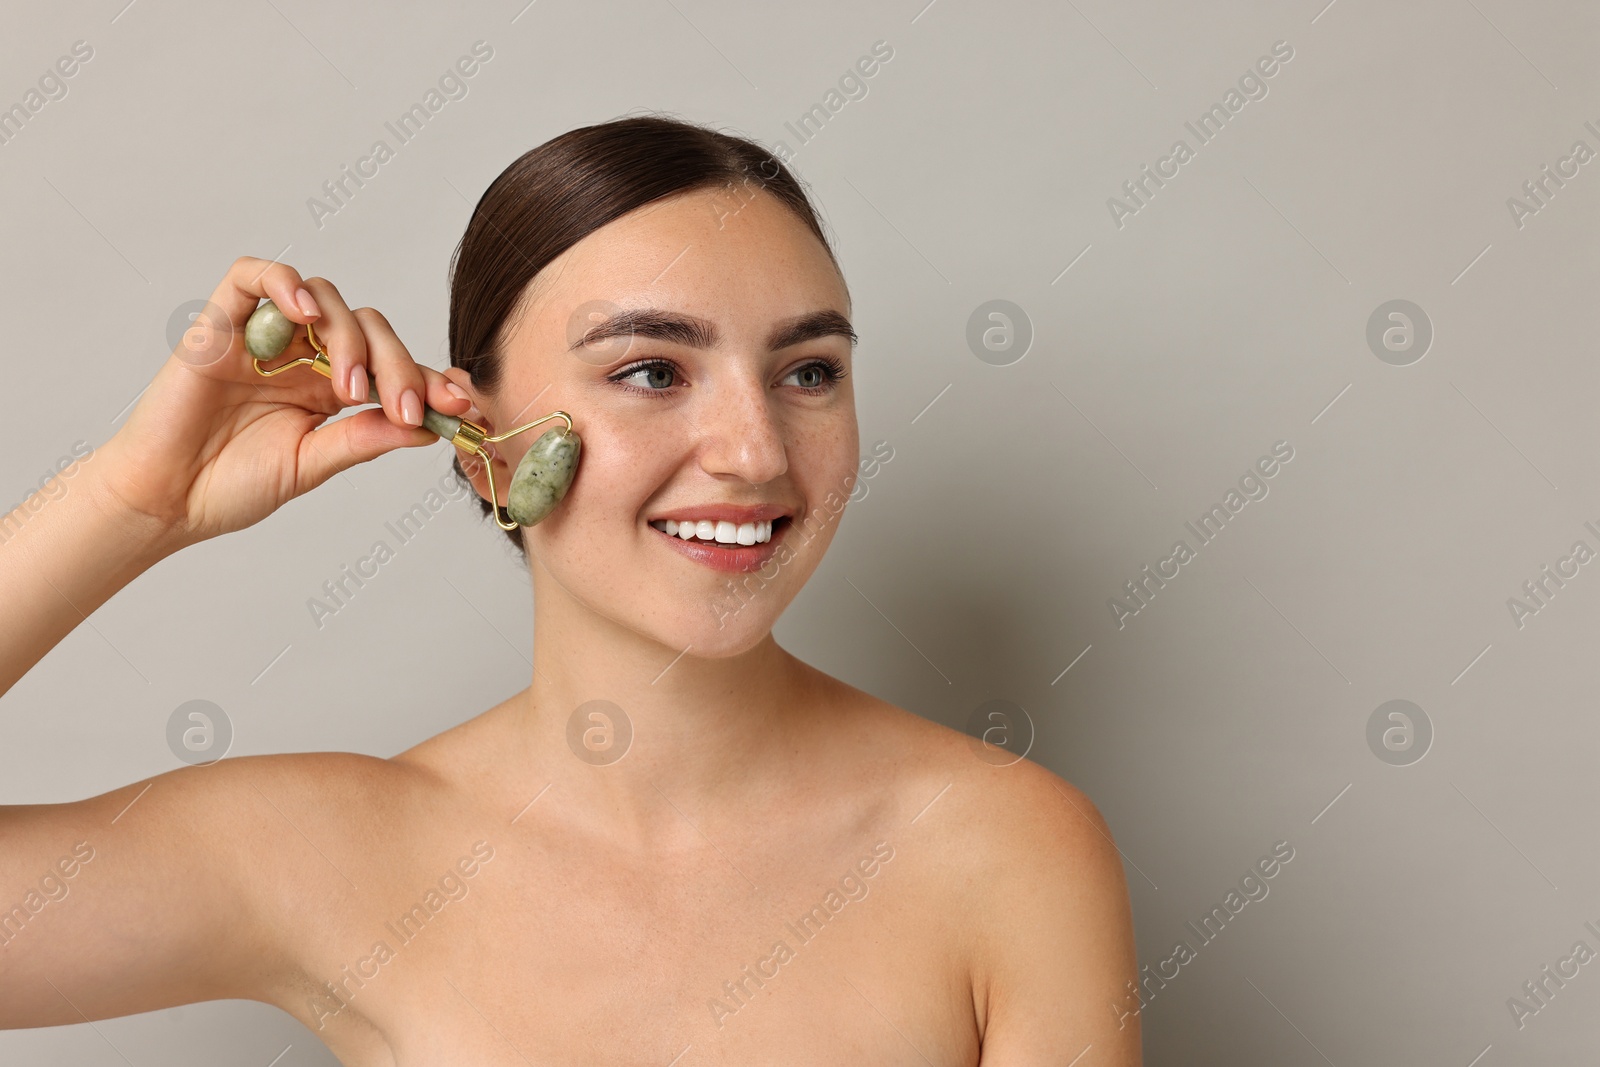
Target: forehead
(727, 253)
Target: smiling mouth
(722, 533)
(731, 547)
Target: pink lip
(736, 559)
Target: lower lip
(736, 559)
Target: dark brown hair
(554, 195)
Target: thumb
(338, 446)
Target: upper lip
(738, 514)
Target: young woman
(779, 868)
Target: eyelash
(832, 369)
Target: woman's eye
(817, 376)
(810, 377)
(652, 376)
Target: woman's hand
(213, 447)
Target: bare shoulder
(298, 826)
(264, 852)
(1030, 863)
(242, 798)
(1007, 810)
(300, 832)
(344, 788)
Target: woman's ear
(463, 381)
(472, 465)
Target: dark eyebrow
(699, 333)
(806, 327)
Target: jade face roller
(541, 478)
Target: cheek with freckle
(598, 547)
(592, 547)
(603, 510)
(823, 463)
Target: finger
(339, 445)
(218, 328)
(250, 279)
(445, 396)
(401, 383)
(345, 341)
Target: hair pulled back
(554, 195)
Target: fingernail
(411, 407)
(307, 304)
(358, 383)
(456, 391)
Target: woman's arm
(165, 892)
(1059, 962)
(61, 558)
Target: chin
(704, 625)
(734, 637)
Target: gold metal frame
(469, 436)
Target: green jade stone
(268, 331)
(542, 477)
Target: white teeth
(722, 531)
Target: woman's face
(719, 405)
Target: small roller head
(268, 331)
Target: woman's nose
(741, 435)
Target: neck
(706, 734)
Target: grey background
(1227, 315)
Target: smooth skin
(970, 913)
